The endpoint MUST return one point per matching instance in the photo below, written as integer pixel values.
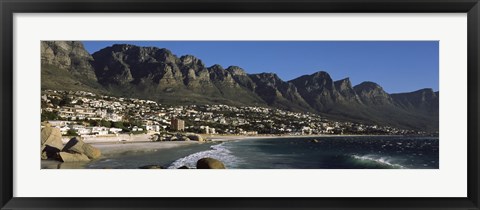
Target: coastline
(146, 138)
(128, 150)
(143, 143)
(221, 138)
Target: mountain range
(157, 74)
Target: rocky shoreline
(77, 153)
(52, 147)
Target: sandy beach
(112, 138)
(109, 149)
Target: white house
(136, 128)
(100, 130)
(155, 128)
(115, 130)
(64, 129)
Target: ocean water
(338, 152)
(333, 152)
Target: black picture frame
(10, 7)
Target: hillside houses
(149, 116)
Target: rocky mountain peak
(68, 55)
(192, 61)
(321, 74)
(216, 67)
(367, 87)
(422, 101)
(268, 76)
(140, 54)
(372, 93)
(61, 53)
(345, 89)
(321, 79)
(315, 81)
(343, 84)
(219, 74)
(420, 96)
(426, 90)
(269, 79)
(236, 71)
(122, 47)
(123, 64)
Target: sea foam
(219, 152)
(378, 159)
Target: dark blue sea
(327, 152)
(333, 152)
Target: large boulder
(78, 146)
(209, 163)
(184, 138)
(69, 157)
(50, 142)
(155, 137)
(195, 137)
(51, 136)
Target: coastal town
(80, 113)
(167, 105)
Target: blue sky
(398, 66)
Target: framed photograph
(302, 105)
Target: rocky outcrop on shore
(210, 163)
(72, 157)
(75, 150)
(195, 137)
(50, 143)
(177, 137)
(78, 146)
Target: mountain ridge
(158, 74)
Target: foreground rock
(209, 163)
(51, 142)
(165, 136)
(195, 137)
(78, 146)
(69, 157)
(184, 138)
(74, 151)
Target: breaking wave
(219, 152)
(387, 161)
